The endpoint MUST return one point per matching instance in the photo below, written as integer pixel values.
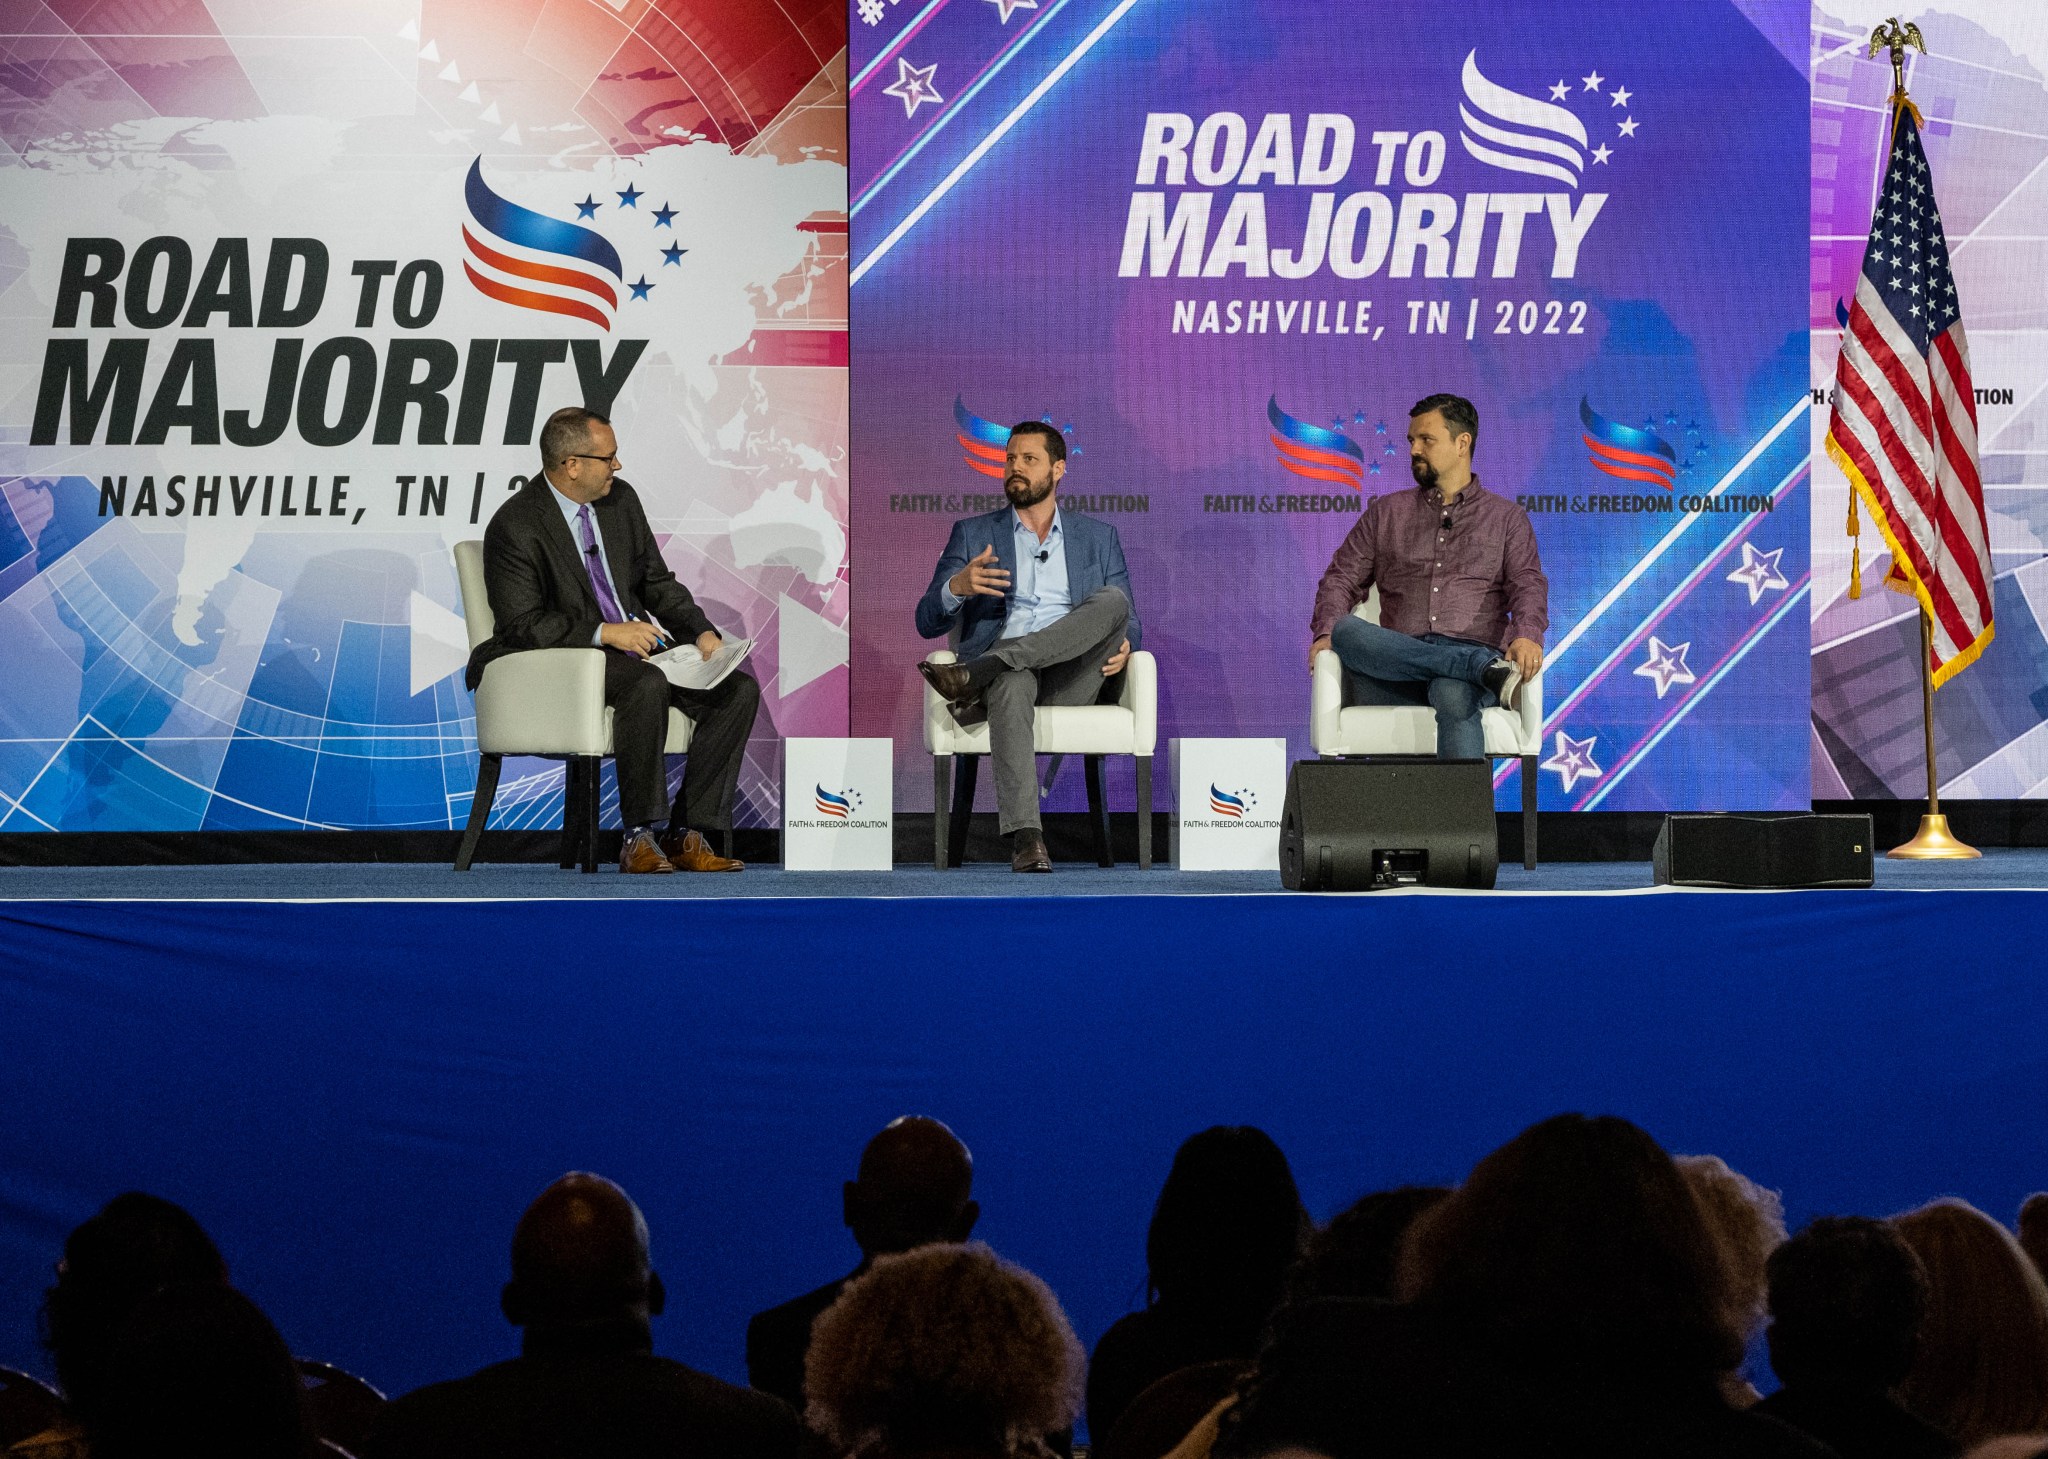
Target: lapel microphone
(1045, 554)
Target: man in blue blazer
(1041, 601)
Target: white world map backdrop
(1983, 90)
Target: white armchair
(547, 703)
(1130, 726)
(1338, 727)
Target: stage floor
(2006, 870)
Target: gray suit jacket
(1095, 559)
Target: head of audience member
(1228, 1226)
(915, 1186)
(136, 1245)
(1358, 1254)
(1578, 1242)
(198, 1369)
(1747, 1223)
(947, 1349)
(1981, 1367)
(1847, 1296)
(580, 1261)
(2034, 1230)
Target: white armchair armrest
(1141, 696)
(543, 701)
(1326, 702)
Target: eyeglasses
(586, 456)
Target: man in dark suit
(587, 1382)
(914, 1187)
(1042, 603)
(570, 562)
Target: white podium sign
(1228, 794)
(837, 805)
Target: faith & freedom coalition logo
(836, 810)
(984, 450)
(1236, 808)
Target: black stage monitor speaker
(1764, 851)
(1354, 825)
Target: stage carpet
(358, 1096)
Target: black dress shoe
(950, 680)
(1028, 852)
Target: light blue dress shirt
(1042, 596)
(572, 511)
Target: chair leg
(1529, 789)
(487, 769)
(1098, 809)
(964, 771)
(1144, 763)
(593, 786)
(572, 804)
(942, 790)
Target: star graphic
(588, 207)
(913, 86)
(1621, 94)
(1666, 665)
(1602, 152)
(1011, 7)
(1573, 759)
(640, 289)
(1759, 571)
(1560, 91)
(664, 216)
(630, 198)
(673, 254)
(1627, 126)
(1593, 81)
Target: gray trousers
(1060, 663)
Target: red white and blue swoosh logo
(1311, 451)
(1626, 453)
(838, 807)
(532, 261)
(1223, 803)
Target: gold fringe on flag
(1855, 551)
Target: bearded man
(1041, 602)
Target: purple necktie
(600, 580)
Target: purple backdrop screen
(1225, 246)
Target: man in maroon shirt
(1463, 598)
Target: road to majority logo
(1396, 229)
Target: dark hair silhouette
(136, 1245)
(1358, 1254)
(1847, 1296)
(1229, 1222)
(198, 1369)
(1579, 1236)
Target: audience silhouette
(586, 1382)
(944, 1352)
(1847, 1297)
(914, 1186)
(1227, 1228)
(1581, 1294)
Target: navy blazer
(1095, 559)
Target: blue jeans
(1391, 668)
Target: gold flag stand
(1933, 841)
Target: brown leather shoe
(1029, 852)
(640, 855)
(691, 852)
(950, 680)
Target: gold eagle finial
(1895, 38)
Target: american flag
(1904, 423)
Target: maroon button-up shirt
(1480, 579)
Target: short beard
(1022, 494)
(1425, 474)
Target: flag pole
(1933, 841)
